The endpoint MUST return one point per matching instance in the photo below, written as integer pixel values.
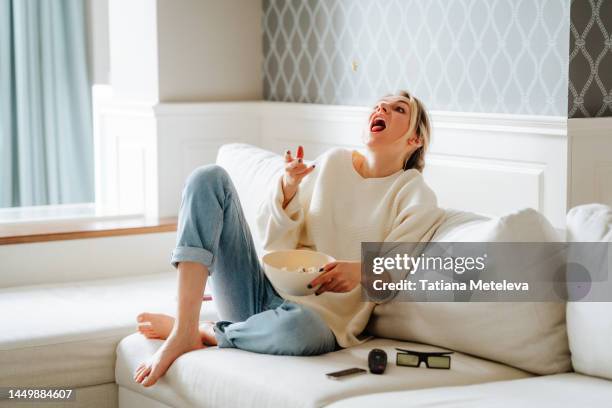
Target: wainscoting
(487, 163)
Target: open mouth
(378, 125)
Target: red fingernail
(300, 152)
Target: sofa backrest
(589, 324)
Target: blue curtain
(46, 142)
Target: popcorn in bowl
(290, 271)
(310, 269)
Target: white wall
(185, 51)
(133, 49)
(97, 40)
(210, 50)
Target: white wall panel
(486, 163)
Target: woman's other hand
(338, 276)
(295, 171)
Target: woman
(349, 199)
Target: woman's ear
(415, 141)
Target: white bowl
(290, 281)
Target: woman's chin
(374, 139)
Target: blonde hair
(421, 126)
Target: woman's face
(389, 122)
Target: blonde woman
(331, 206)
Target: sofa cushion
(589, 324)
(527, 335)
(551, 391)
(526, 225)
(215, 377)
(252, 170)
(590, 223)
(455, 223)
(66, 334)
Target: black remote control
(377, 361)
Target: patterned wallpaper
(590, 60)
(507, 56)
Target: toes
(143, 317)
(151, 378)
(148, 332)
(143, 374)
(138, 371)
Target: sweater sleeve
(417, 219)
(415, 223)
(418, 215)
(280, 228)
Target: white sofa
(500, 348)
(70, 335)
(65, 335)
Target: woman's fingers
(323, 278)
(305, 171)
(337, 284)
(329, 266)
(299, 154)
(295, 164)
(297, 169)
(332, 286)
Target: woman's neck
(375, 166)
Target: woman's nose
(382, 106)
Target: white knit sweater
(334, 210)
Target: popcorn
(310, 269)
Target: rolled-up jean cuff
(222, 340)
(191, 254)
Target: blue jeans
(212, 230)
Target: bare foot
(155, 325)
(159, 326)
(176, 345)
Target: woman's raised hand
(295, 171)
